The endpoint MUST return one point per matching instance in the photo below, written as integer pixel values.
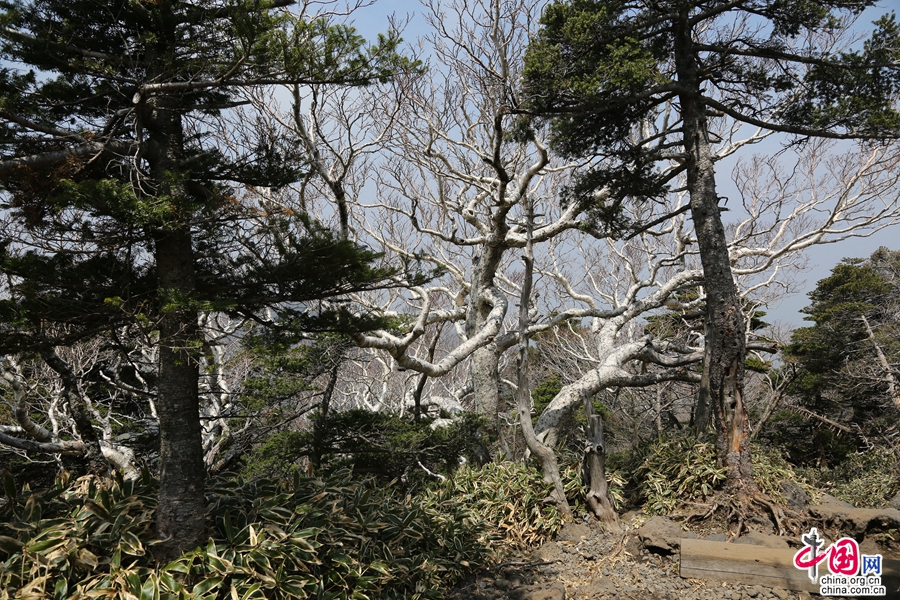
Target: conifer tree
(846, 361)
(636, 86)
(128, 211)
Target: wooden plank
(759, 565)
(743, 563)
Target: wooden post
(593, 470)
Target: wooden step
(759, 565)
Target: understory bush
(507, 497)
(770, 468)
(309, 538)
(381, 445)
(865, 480)
(677, 469)
(683, 468)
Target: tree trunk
(180, 517)
(701, 408)
(423, 378)
(486, 382)
(725, 329)
(523, 395)
(485, 361)
(593, 470)
(883, 362)
(318, 441)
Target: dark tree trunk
(725, 327)
(700, 421)
(423, 378)
(593, 471)
(180, 517)
(318, 441)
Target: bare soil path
(586, 562)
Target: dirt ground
(587, 562)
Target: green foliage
(544, 393)
(770, 468)
(311, 538)
(865, 480)
(839, 372)
(385, 446)
(837, 97)
(678, 469)
(683, 468)
(278, 456)
(506, 497)
(109, 207)
(600, 68)
(284, 370)
(805, 441)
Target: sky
(821, 259)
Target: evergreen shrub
(309, 538)
(865, 480)
(682, 468)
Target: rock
(554, 592)
(780, 593)
(716, 537)
(633, 546)
(633, 514)
(502, 584)
(573, 532)
(831, 502)
(856, 522)
(548, 552)
(794, 495)
(660, 534)
(597, 588)
(870, 547)
(756, 538)
(895, 502)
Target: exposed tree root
(739, 511)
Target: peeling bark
(725, 325)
